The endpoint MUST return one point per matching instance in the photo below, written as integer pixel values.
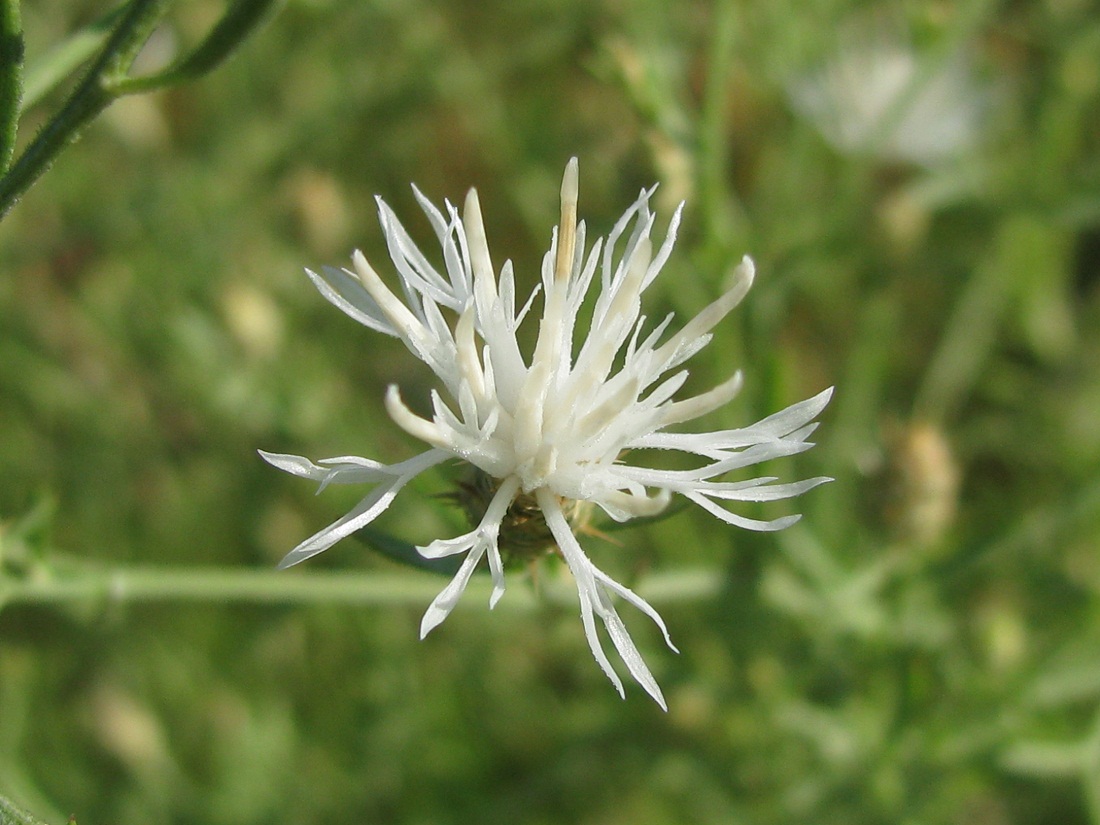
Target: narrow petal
(586, 595)
(679, 480)
(475, 543)
(636, 600)
(592, 599)
(410, 261)
(763, 492)
(740, 521)
(344, 291)
(666, 247)
(630, 655)
(400, 317)
(709, 317)
(623, 506)
(444, 603)
(699, 405)
(567, 226)
(373, 505)
(795, 416)
(480, 263)
(343, 470)
(427, 431)
(467, 360)
(294, 464)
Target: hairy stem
(87, 100)
(11, 77)
(131, 585)
(107, 80)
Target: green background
(924, 647)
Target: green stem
(970, 334)
(131, 585)
(88, 100)
(11, 77)
(12, 815)
(46, 73)
(107, 80)
(240, 19)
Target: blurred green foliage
(924, 647)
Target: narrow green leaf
(12, 815)
(45, 73)
(135, 23)
(11, 77)
(405, 553)
(1044, 760)
(239, 21)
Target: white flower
(552, 429)
(876, 96)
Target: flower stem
(107, 80)
(11, 77)
(240, 19)
(87, 100)
(131, 585)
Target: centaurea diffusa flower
(551, 432)
(877, 95)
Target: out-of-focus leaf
(1046, 760)
(12, 815)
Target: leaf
(405, 553)
(12, 815)
(11, 77)
(47, 72)
(240, 20)
(1044, 760)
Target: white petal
(480, 263)
(637, 601)
(681, 479)
(709, 317)
(666, 247)
(427, 431)
(788, 420)
(346, 293)
(496, 570)
(702, 404)
(567, 225)
(365, 511)
(741, 521)
(343, 470)
(628, 506)
(444, 603)
(763, 492)
(404, 322)
(592, 635)
(294, 464)
(475, 543)
(628, 652)
(589, 583)
(410, 261)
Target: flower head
(877, 96)
(550, 431)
